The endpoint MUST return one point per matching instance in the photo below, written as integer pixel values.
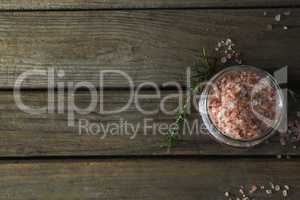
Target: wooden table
(152, 41)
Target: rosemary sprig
(204, 70)
(173, 133)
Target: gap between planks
(46, 5)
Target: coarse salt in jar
(241, 106)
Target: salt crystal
(287, 13)
(221, 114)
(285, 28)
(223, 60)
(269, 191)
(226, 194)
(277, 18)
(286, 187)
(253, 189)
(255, 103)
(284, 193)
(241, 191)
(228, 41)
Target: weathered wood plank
(137, 4)
(145, 179)
(153, 46)
(23, 134)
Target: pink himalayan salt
(231, 104)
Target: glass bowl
(241, 106)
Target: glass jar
(242, 106)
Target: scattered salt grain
(223, 60)
(241, 191)
(269, 192)
(286, 187)
(228, 41)
(265, 13)
(277, 18)
(284, 193)
(287, 13)
(285, 28)
(224, 48)
(241, 195)
(253, 189)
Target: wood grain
(137, 4)
(144, 179)
(24, 134)
(154, 46)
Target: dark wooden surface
(169, 41)
(152, 40)
(145, 179)
(23, 134)
(138, 4)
